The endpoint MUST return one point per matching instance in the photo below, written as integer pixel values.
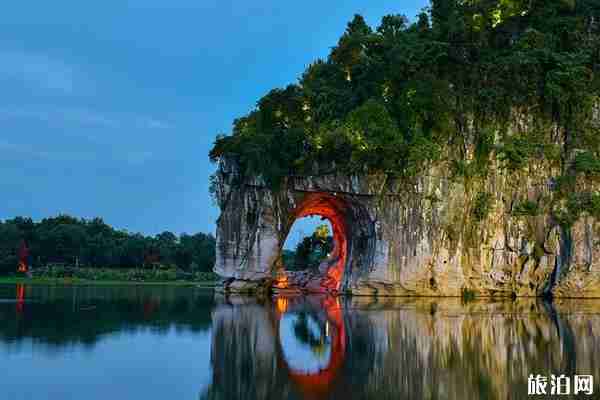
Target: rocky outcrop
(431, 237)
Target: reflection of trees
(311, 250)
(306, 335)
(63, 316)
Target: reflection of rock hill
(61, 316)
(429, 238)
(249, 361)
(413, 349)
(480, 350)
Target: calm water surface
(183, 343)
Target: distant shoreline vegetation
(67, 248)
(207, 282)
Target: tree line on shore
(91, 249)
(310, 251)
(72, 242)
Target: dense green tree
(10, 237)
(92, 243)
(311, 250)
(197, 251)
(443, 91)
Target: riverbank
(88, 282)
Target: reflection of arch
(314, 385)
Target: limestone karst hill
(456, 154)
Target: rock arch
(411, 239)
(256, 222)
(351, 227)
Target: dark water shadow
(61, 316)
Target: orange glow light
(333, 209)
(282, 282)
(22, 267)
(282, 304)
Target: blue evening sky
(109, 108)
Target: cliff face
(432, 237)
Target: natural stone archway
(256, 222)
(426, 238)
(351, 227)
(335, 210)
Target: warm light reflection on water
(403, 348)
(178, 343)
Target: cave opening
(322, 255)
(308, 244)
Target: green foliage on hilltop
(64, 241)
(399, 98)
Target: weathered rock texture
(426, 238)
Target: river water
(142, 342)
